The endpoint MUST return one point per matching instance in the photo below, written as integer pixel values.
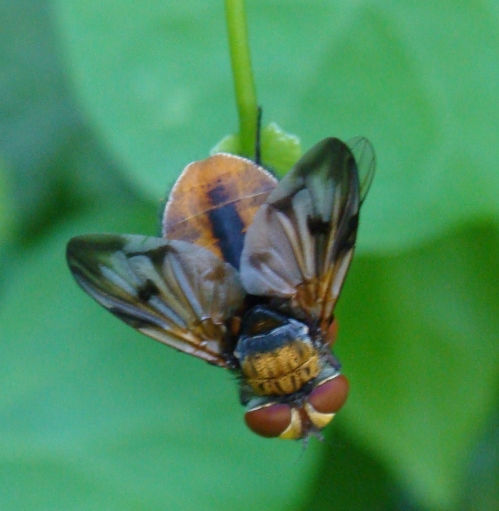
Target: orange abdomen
(213, 203)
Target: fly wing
(363, 152)
(301, 241)
(175, 292)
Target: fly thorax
(276, 353)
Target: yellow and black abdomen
(276, 353)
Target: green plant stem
(244, 84)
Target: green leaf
(418, 339)
(94, 415)
(280, 150)
(482, 479)
(350, 479)
(39, 117)
(5, 206)
(418, 79)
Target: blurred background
(102, 104)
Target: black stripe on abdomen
(227, 226)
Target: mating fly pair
(246, 276)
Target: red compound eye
(269, 421)
(330, 396)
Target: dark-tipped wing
(301, 241)
(175, 292)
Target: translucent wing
(301, 241)
(175, 292)
(363, 152)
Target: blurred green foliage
(102, 104)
